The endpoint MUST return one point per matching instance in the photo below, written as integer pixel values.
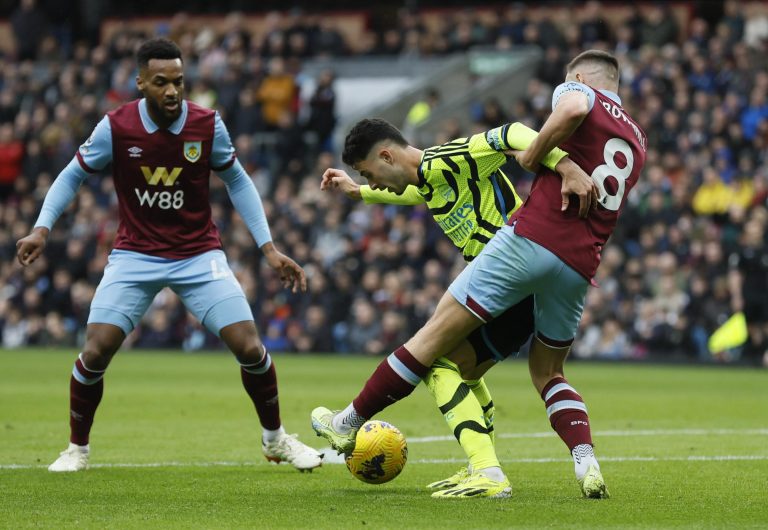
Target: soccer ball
(380, 453)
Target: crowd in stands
(693, 232)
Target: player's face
(382, 172)
(162, 83)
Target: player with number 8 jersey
(612, 150)
(547, 250)
(554, 254)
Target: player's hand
(29, 248)
(340, 180)
(291, 274)
(576, 182)
(523, 160)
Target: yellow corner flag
(731, 334)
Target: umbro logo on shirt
(135, 152)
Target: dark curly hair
(364, 135)
(157, 49)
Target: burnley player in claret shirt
(470, 198)
(546, 250)
(161, 150)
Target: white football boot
(73, 458)
(593, 484)
(287, 448)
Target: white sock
(82, 448)
(493, 473)
(583, 457)
(270, 436)
(347, 420)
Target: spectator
(57, 332)
(316, 333)
(754, 114)
(593, 30)
(612, 342)
(713, 196)
(289, 148)
(29, 27)
(15, 329)
(756, 26)
(748, 282)
(702, 103)
(328, 42)
(248, 117)
(364, 329)
(492, 115)
(11, 158)
(322, 111)
(156, 331)
(420, 111)
(658, 27)
(733, 19)
(277, 93)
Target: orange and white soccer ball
(380, 453)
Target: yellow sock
(483, 395)
(462, 413)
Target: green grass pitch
(176, 445)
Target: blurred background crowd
(688, 253)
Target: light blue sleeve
(573, 86)
(96, 152)
(61, 193)
(222, 152)
(243, 194)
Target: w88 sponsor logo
(165, 200)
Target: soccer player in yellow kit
(470, 198)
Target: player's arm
(571, 103)
(244, 196)
(94, 155)
(409, 197)
(340, 180)
(518, 137)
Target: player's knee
(252, 352)
(464, 358)
(101, 344)
(248, 350)
(475, 372)
(96, 358)
(244, 342)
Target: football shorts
(509, 269)
(204, 283)
(505, 335)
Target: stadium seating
(695, 81)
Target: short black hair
(157, 49)
(367, 133)
(597, 56)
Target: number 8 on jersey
(611, 169)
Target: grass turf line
(191, 408)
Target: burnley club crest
(192, 151)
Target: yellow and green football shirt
(460, 181)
